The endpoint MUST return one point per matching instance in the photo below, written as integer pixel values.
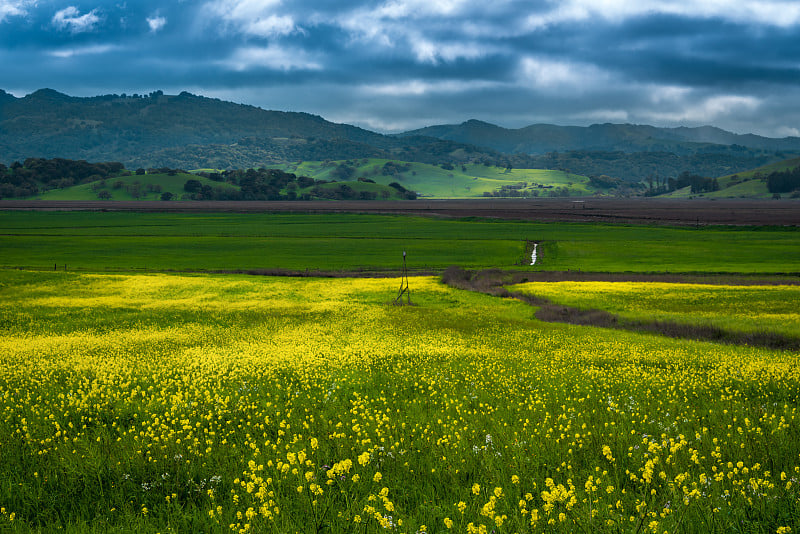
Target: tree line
(274, 184)
(696, 183)
(787, 181)
(36, 175)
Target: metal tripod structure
(403, 285)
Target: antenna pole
(404, 290)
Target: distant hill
(187, 131)
(641, 166)
(190, 131)
(748, 184)
(543, 138)
(125, 128)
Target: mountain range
(189, 131)
(543, 138)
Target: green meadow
(428, 181)
(462, 181)
(748, 184)
(134, 187)
(229, 241)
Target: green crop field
(227, 241)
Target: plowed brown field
(630, 211)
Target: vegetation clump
(35, 175)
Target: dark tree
(784, 181)
(192, 186)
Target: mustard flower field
(743, 308)
(211, 403)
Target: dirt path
(493, 282)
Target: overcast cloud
(400, 64)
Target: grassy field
(377, 190)
(150, 187)
(160, 241)
(210, 403)
(431, 181)
(748, 184)
(736, 308)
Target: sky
(395, 65)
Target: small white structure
(533, 254)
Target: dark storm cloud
(694, 52)
(395, 64)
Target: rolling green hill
(370, 176)
(153, 186)
(135, 187)
(462, 181)
(357, 179)
(748, 184)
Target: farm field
(230, 403)
(771, 308)
(347, 242)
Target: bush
(192, 186)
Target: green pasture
(121, 188)
(772, 308)
(380, 191)
(463, 181)
(764, 170)
(753, 183)
(253, 253)
(212, 241)
(429, 181)
(608, 248)
(748, 184)
(729, 188)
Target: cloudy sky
(391, 65)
